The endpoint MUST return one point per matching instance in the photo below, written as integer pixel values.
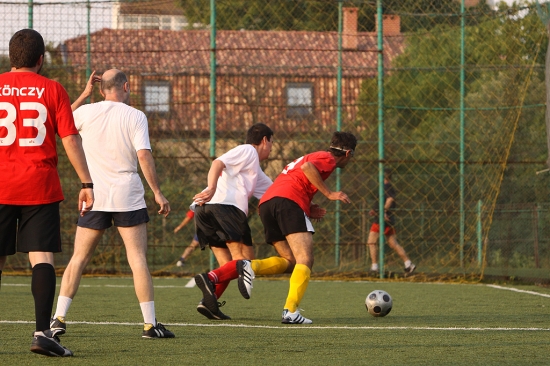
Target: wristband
(87, 185)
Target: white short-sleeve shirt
(241, 179)
(112, 134)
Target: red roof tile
(250, 52)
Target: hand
(316, 212)
(339, 196)
(178, 228)
(90, 84)
(372, 213)
(163, 203)
(85, 200)
(205, 196)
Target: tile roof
(251, 52)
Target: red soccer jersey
(33, 109)
(293, 184)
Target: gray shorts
(101, 220)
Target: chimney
(349, 31)
(391, 25)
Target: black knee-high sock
(43, 291)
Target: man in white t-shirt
(221, 212)
(115, 138)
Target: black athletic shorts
(33, 228)
(100, 220)
(217, 224)
(281, 217)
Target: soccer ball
(379, 303)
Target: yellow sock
(269, 266)
(298, 286)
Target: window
(157, 96)
(166, 22)
(299, 100)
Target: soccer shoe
(294, 318)
(209, 299)
(150, 331)
(246, 276)
(410, 269)
(180, 262)
(210, 315)
(46, 344)
(58, 326)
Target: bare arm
(213, 175)
(73, 147)
(182, 224)
(147, 165)
(87, 91)
(313, 175)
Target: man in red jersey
(33, 109)
(286, 209)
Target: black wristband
(87, 185)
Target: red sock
(220, 288)
(227, 272)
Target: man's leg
(392, 242)
(85, 243)
(301, 245)
(372, 242)
(43, 291)
(2, 264)
(42, 287)
(135, 241)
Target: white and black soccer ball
(379, 303)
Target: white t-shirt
(112, 133)
(241, 179)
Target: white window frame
(156, 95)
(299, 100)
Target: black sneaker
(209, 299)
(159, 331)
(58, 326)
(210, 315)
(46, 344)
(410, 269)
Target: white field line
(225, 325)
(518, 290)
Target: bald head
(115, 86)
(113, 79)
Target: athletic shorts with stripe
(281, 217)
(216, 224)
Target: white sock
(148, 311)
(374, 267)
(63, 304)
(408, 263)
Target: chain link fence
(448, 95)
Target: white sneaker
(294, 318)
(180, 263)
(246, 276)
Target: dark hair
(256, 134)
(387, 173)
(117, 81)
(26, 47)
(342, 141)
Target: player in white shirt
(115, 138)
(221, 212)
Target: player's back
(32, 110)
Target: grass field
(430, 324)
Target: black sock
(43, 291)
